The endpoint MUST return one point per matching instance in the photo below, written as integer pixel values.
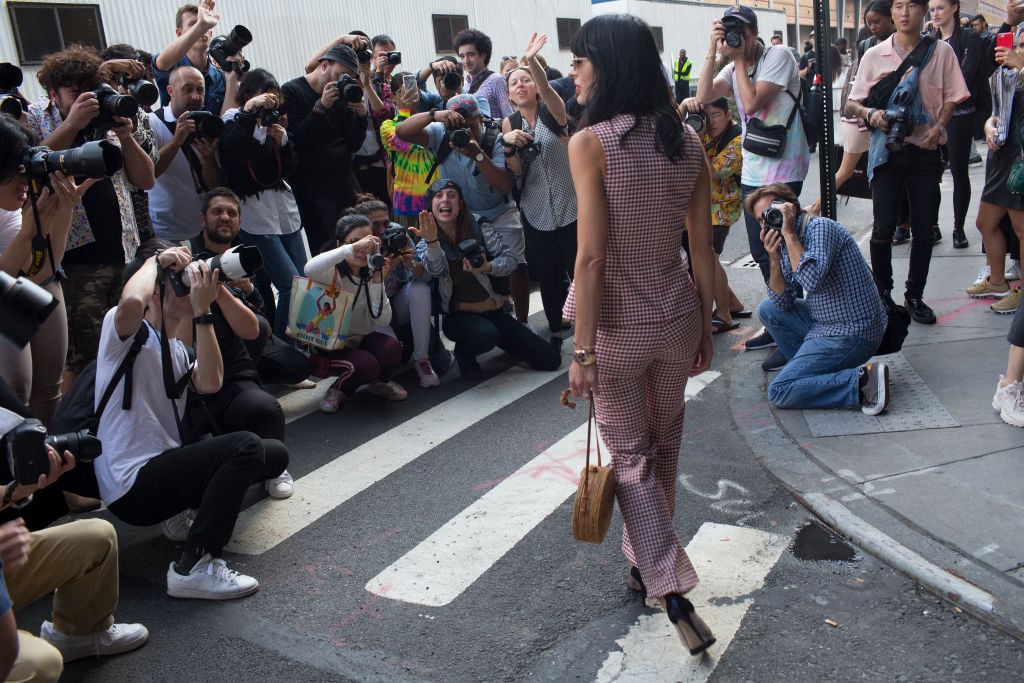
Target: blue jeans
(822, 372)
(476, 333)
(284, 256)
(754, 228)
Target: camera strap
(41, 245)
(194, 165)
(363, 285)
(479, 80)
(172, 388)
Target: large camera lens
(375, 261)
(364, 56)
(451, 80)
(113, 104)
(10, 105)
(237, 263)
(349, 89)
(24, 306)
(97, 159)
(460, 137)
(144, 91)
(394, 57)
(772, 216)
(207, 125)
(695, 120)
(230, 45)
(83, 445)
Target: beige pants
(77, 562)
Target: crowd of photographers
(160, 281)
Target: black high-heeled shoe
(693, 632)
(635, 582)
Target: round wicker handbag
(595, 494)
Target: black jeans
(240, 406)
(476, 333)
(553, 254)
(211, 476)
(915, 173)
(959, 140)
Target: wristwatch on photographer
(479, 156)
(584, 357)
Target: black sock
(190, 555)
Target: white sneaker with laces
(1012, 270)
(281, 486)
(176, 528)
(210, 579)
(982, 274)
(425, 371)
(118, 638)
(1009, 401)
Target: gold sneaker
(986, 290)
(1008, 304)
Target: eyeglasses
(507, 57)
(575, 62)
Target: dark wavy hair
(346, 224)
(78, 65)
(15, 137)
(257, 82)
(628, 80)
(478, 39)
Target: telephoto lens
(97, 159)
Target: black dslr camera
(452, 80)
(112, 104)
(145, 92)
(269, 117)
(10, 80)
(696, 120)
(772, 216)
(26, 452)
(529, 153)
(394, 58)
(473, 252)
(24, 306)
(901, 121)
(349, 88)
(234, 264)
(230, 45)
(733, 31)
(364, 56)
(98, 159)
(394, 240)
(208, 125)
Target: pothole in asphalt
(815, 542)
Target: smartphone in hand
(1005, 40)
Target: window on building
(446, 26)
(659, 38)
(41, 28)
(566, 30)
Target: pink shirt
(941, 80)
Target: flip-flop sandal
(721, 326)
(742, 313)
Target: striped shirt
(840, 290)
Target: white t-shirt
(775, 66)
(174, 204)
(131, 438)
(10, 226)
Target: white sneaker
(1009, 401)
(874, 396)
(1012, 271)
(210, 579)
(176, 528)
(982, 275)
(281, 486)
(425, 371)
(118, 638)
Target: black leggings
(959, 138)
(553, 252)
(211, 476)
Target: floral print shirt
(726, 169)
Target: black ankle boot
(960, 240)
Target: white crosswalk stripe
(440, 568)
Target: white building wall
(285, 34)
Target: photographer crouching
(908, 116)
(147, 473)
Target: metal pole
(826, 156)
(796, 11)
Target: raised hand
(534, 45)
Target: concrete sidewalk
(935, 485)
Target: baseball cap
(342, 54)
(464, 104)
(744, 14)
(441, 184)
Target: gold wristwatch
(584, 357)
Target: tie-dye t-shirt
(778, 66)
(411, 163)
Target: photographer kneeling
(147, 474)
(464, 257)
(839, 324)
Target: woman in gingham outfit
(639, 317)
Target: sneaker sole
(757, 347)
(989, 295)
(1010, 420)
(203, 595)
(885, 394)
(998, 312)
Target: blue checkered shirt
(839, 288)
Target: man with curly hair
(64, 118)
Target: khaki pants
(77, 562)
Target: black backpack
(78, 410)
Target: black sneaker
(774, 362)
(901, 235)
(920, 312)
(937, 234)
(763, 340)
(470, 370)
(874, 395)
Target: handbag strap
(591, 421)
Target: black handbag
(1015, 179)
(896, 328)
(858, 184)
